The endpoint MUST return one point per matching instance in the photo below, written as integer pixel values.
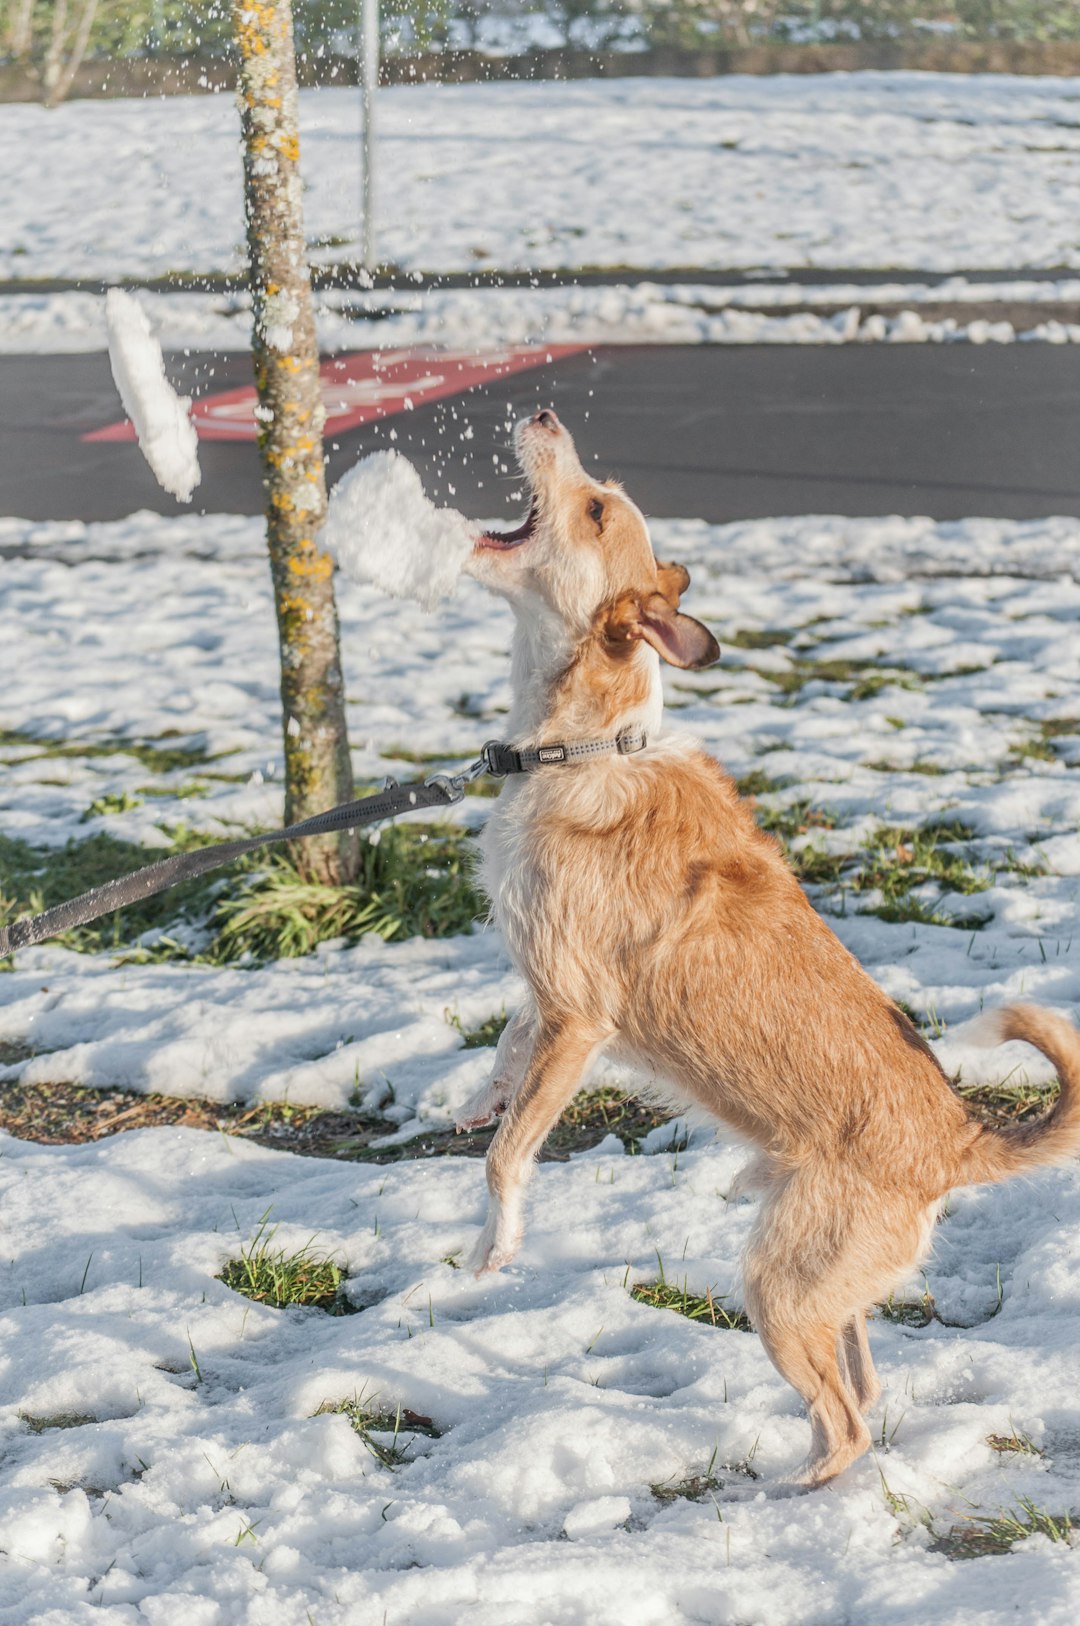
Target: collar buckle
(501, 759)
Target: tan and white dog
(652, 919)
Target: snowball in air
(382, 529)
(162, 419)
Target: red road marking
(367, 385)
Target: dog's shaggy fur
(651, 918)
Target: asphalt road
(721, 432)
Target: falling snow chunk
(382, 529)
(162, 419)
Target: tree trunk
(54, 51)
(65, 78)
(20, 34)
(318, 772)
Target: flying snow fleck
(382, 529)
(162, 419)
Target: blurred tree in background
(47, 39)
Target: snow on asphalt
(164, 1457)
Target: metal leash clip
(453, 785)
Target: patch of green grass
(863, 678)
(60, 1419)
(1056, 728)
(478, 1038)
(665, 1295)
(416, 881)
(757, 783)
(1038, 749)
(154, 756)
(1014, 1442)
(930, 769)
(758, 637)
(796, 819)
(981, 1535)
(102, 805)
(269, 1275)
(373, 1422)
(895, 862)
(184, 793)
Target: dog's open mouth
(504, 540)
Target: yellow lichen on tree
(290, 413)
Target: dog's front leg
(515, 1047)
(562, 1052)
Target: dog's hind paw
(484, 1107)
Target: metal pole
(369, 84)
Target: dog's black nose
(547, 419)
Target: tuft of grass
(373, 1422)
(269, 1275)
(694, 1488)
(981, 1535)
(908, 1312)
(478, 1038)
(796, 819)
(758, 783)
(665, 1295)
(1057, 728)
(60, 1419)
(1009, 1103)
(1036, 749)
(101, 805)
(1014, 1442)
(593, 1114)
(415, 881)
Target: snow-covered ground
(137, 1488)
(873, 169)
(958, 655)
(164, 1457)
(619, 312)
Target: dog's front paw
(484, 1107)
(496, 1246)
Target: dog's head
(584, 553)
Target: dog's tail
(995, 1154)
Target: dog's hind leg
(862, 1379)
(806, 1354)
(561, 1055)
(823, 1248)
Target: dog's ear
(672, 582)
(678, 638)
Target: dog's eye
(596, 511)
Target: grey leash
(441, 790)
